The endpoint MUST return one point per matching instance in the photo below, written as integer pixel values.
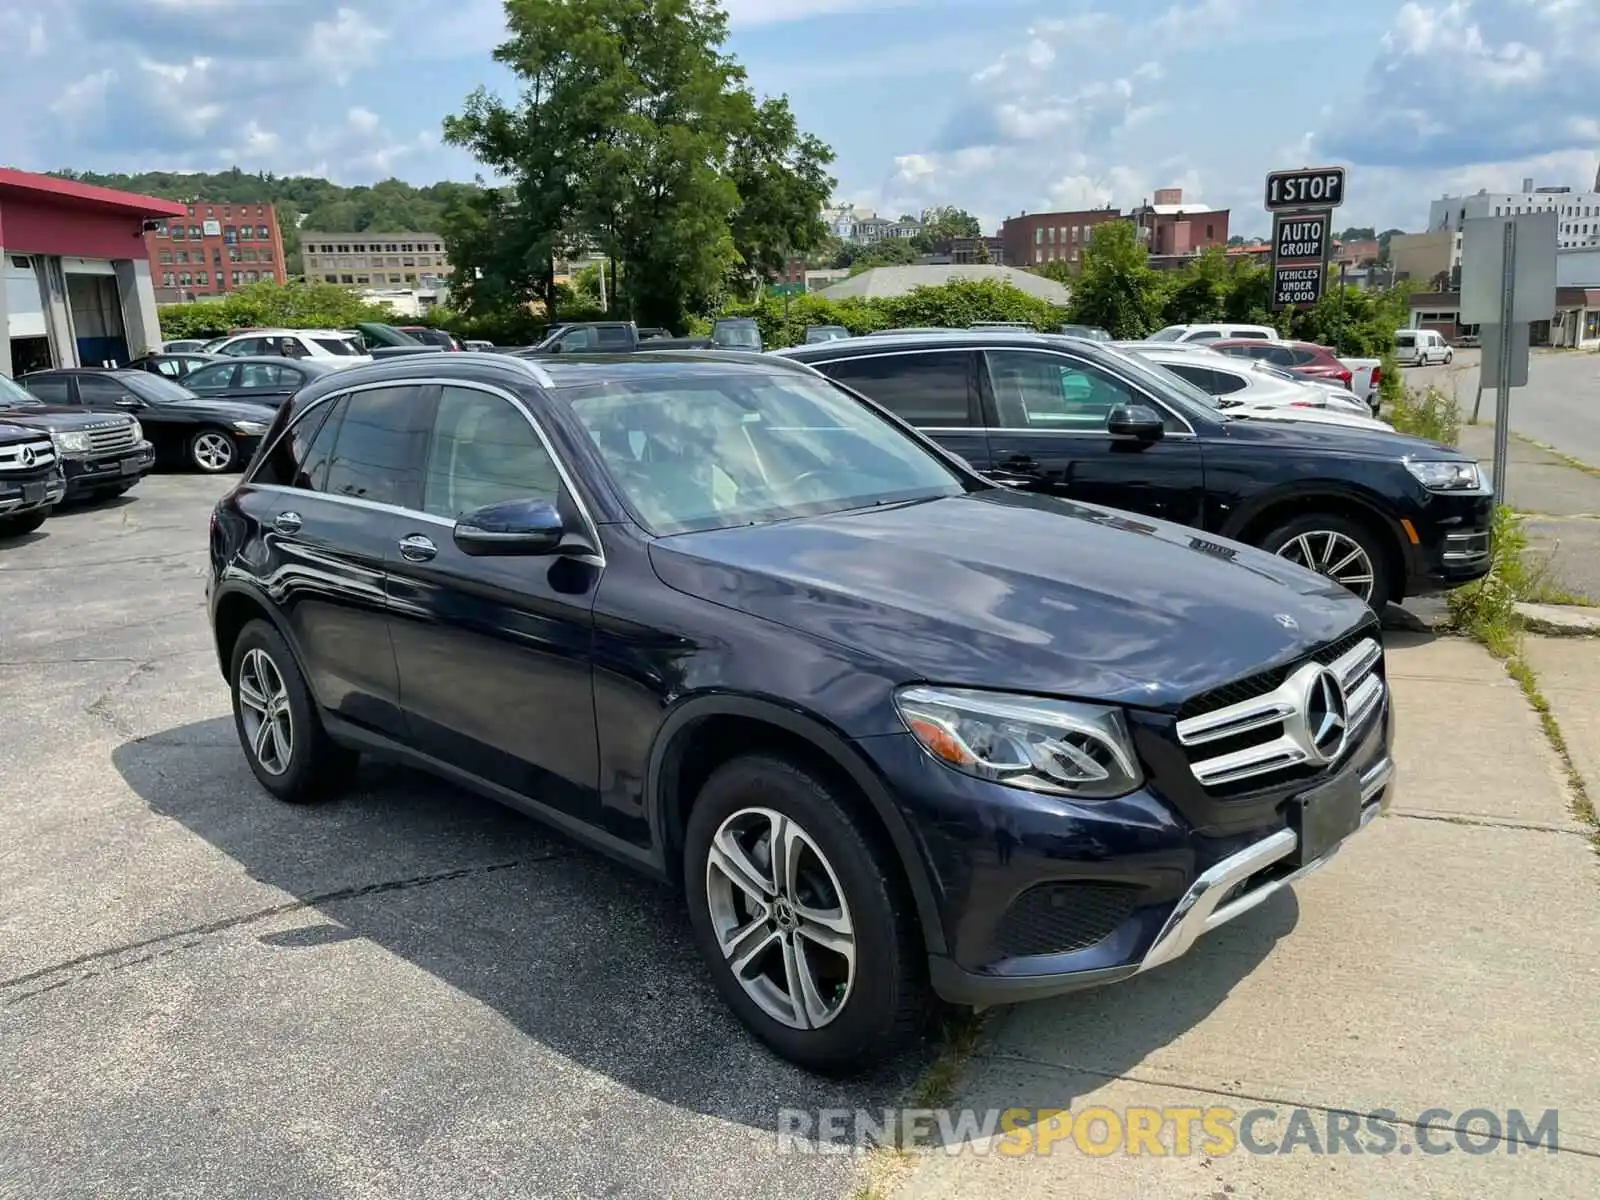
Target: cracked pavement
(406, 992)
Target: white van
(1212, 333)
(1419, 347)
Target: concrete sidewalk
(1562, 505)
(1446, 959)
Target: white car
(1248, 388)
(1213, 333)
(327, 346)
(1419, 347)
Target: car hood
(221, 410)
(1339, 439)
(62, 418)
(1020, 592)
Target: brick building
(215, 249)
(1169, 227)
(1036, 238)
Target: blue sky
(993, 105)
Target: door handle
(416, 548)
(287, 522)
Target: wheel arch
(1252, 523)
(701, 733)
(234, 607)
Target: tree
(1358, 233)
(1384, 238)
(981, 253)
(1116, 288)
(890, 252)
(1059, 270)
(944, 224)
(635, 135)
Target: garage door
(96, 316)
(24, 308)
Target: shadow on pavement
(580, 953)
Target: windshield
(1165, 383)
(156, 388)
(1170, 334)
(211, 346)
(14, 395)
(339, 346)
(717, 451)
(737, 335)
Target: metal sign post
(1508, 281)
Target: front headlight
(249, 428)
(138, 432)
(1052, 746)
(1448, 476)
(71, 443)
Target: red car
(1303, 358)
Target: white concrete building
(1577, 213)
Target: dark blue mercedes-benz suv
(896, 731)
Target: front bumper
(1452, 543)
(86, 475)
(1223, 892)
(19, 496)
(1039, 895)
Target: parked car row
(942, 664)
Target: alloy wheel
(264, 710)
(1339, 557)
(213, 452)
(781, 918)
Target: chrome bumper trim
(1202, 909)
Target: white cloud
(1463, 81)
(345, 45)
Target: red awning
(68, 193)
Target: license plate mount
(33, 493)
(130, 466)
(1325, 816)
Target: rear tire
(1346, 551)
(277, 721)
(833, 975)
(15, 527)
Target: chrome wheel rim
(781, 919)
(264, 712)
(1335, 555)
(213, 452)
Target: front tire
(1449, 357)
(799, 917)
(1346, 551)
(283, 739)
(213, 451)
(15, 527)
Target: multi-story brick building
(215, 249)
(1171, 228)
(1037, 238)
(375, 260)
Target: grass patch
(1487, 612)
(958, 1034)
(1431, 414)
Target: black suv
(101, 454)
(30, 479)
(894, 729)
(1387, 516)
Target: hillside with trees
(392, 206)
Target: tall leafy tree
(635, 135)
(1116, 288)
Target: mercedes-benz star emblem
(28, 456)
(1327, 718)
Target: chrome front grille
(1308, 720)
(27, 456)
(112, 439)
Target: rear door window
(265, 377)
(49, 391)
(1054, 392)
(612, 337)
(216, 378)
(932, 389)
(379, 452)
(299, 459)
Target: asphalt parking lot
(410, 992)
(407, 992)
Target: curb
(1560, 620)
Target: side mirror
(129, 402)
(512, 527)
(1135, 421)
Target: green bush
(296, 305)
(954, 305)
(1487, 609)
(1431, 414)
